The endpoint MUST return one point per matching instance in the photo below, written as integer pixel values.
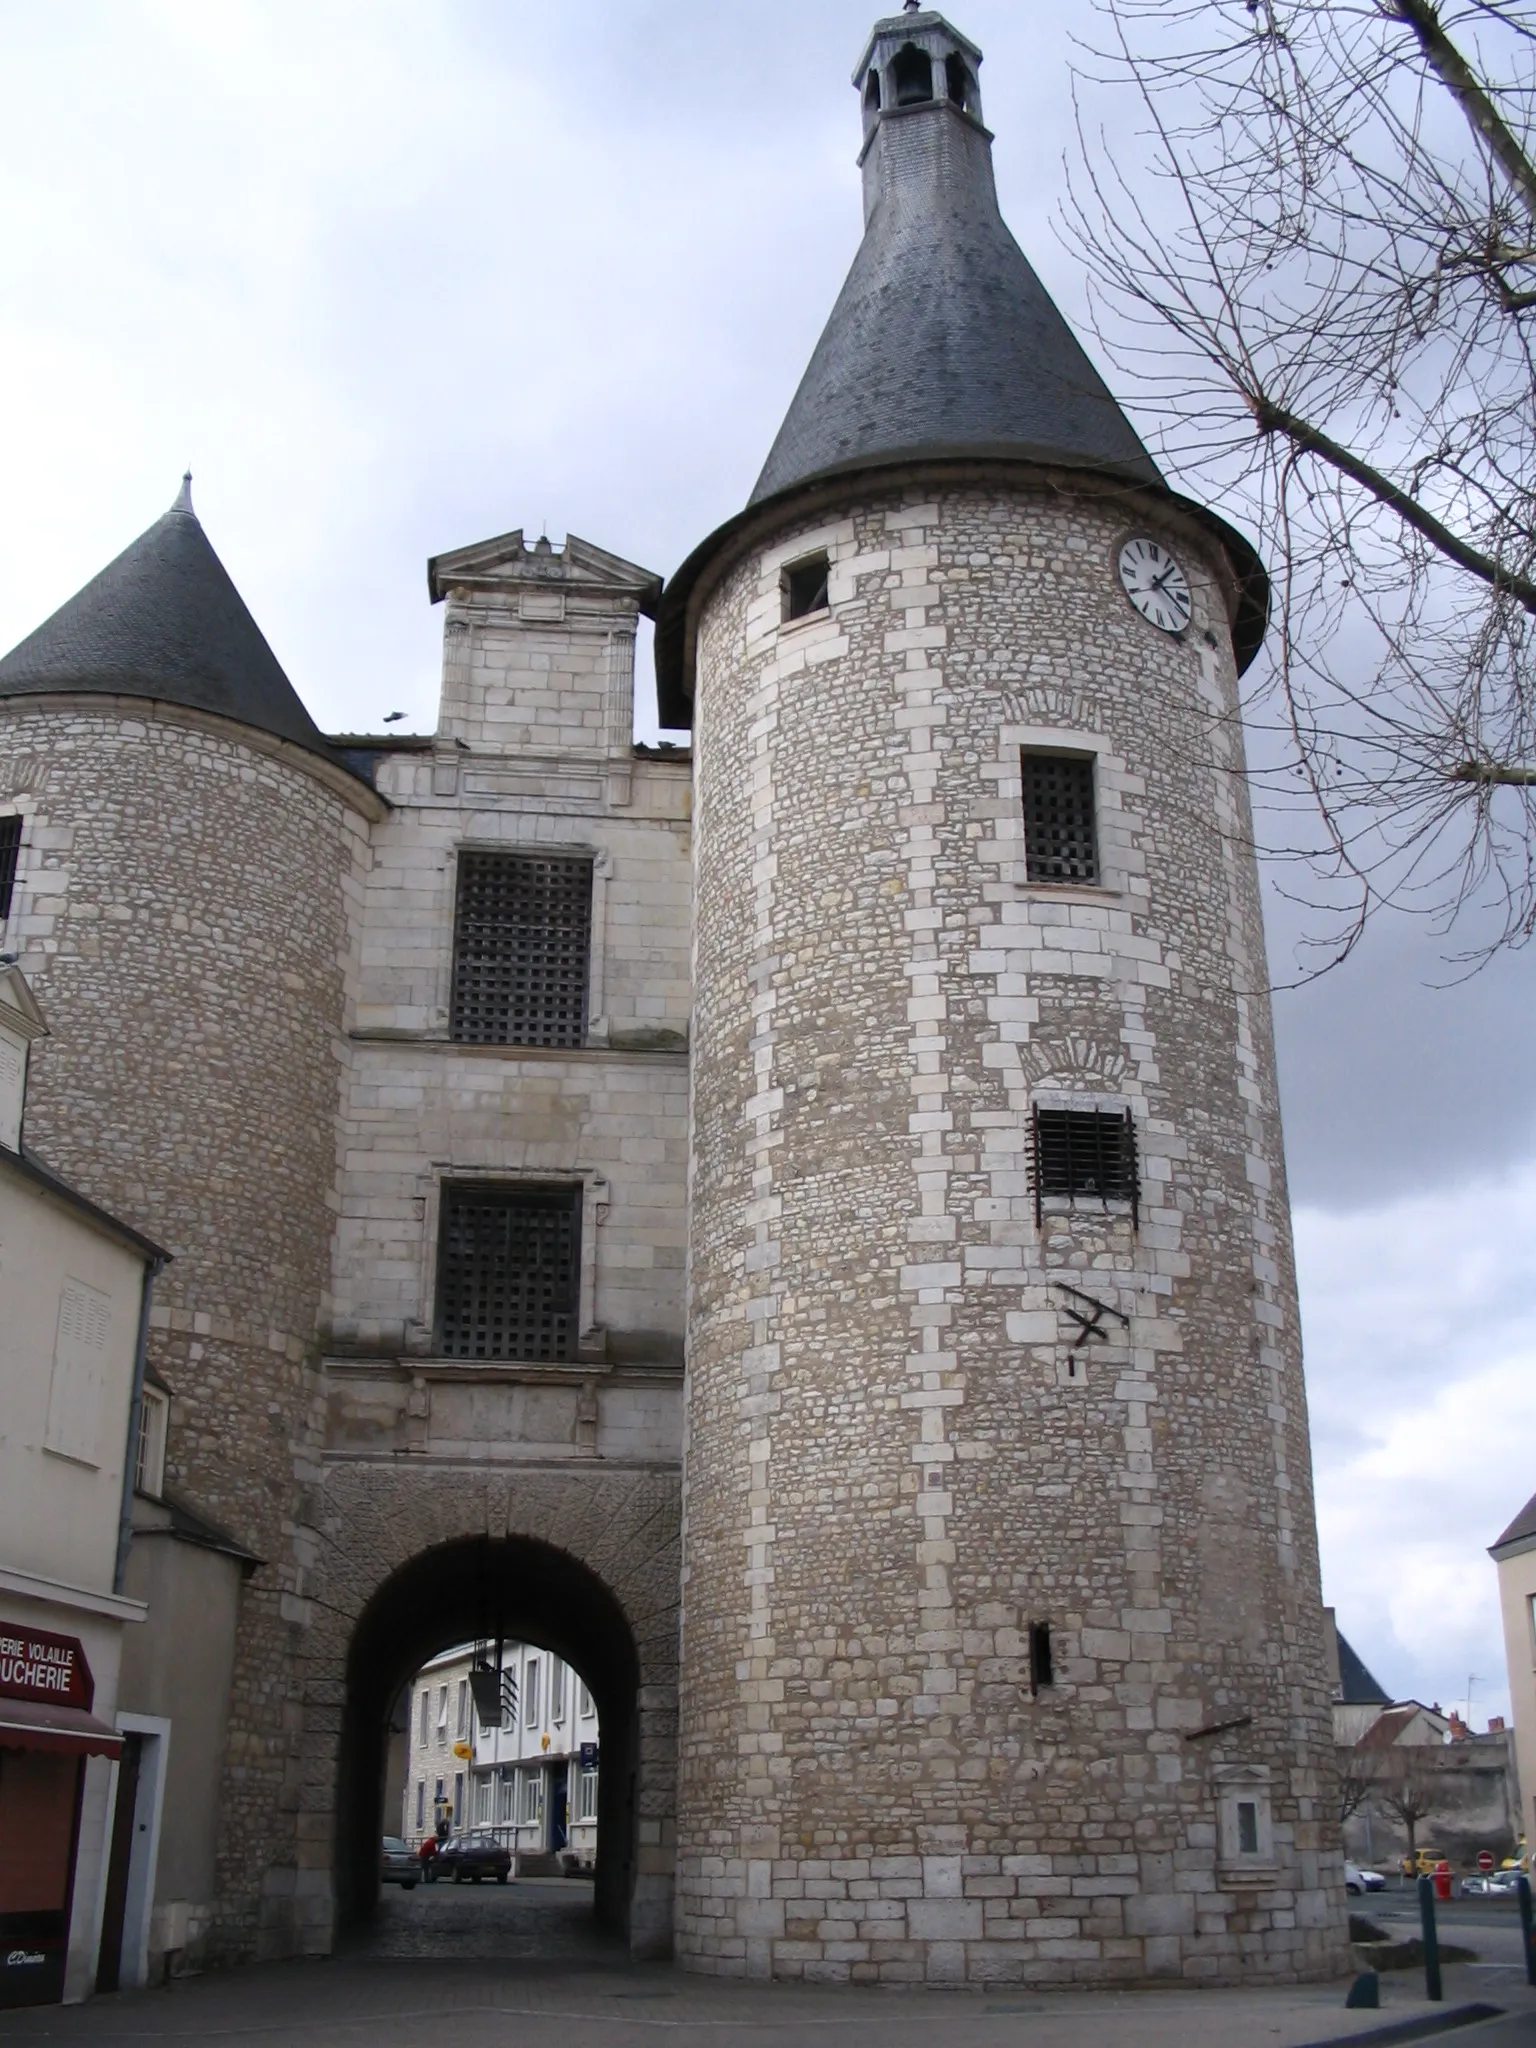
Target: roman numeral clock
(1154, 582)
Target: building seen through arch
(530, 1782)
(955, 1618)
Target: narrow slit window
(1060, 838)
(10, 849)
(1247, 1828)
(521, 944)
(805, 588)
(1085, 1154)
(1041, 1669)
(509, 1265)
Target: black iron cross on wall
(1090, 1326)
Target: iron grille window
(1060, 844)
(10, 847)
(1085, 1152)
(508, 1272)
(521, 941)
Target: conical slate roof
(164, 622)
(943, 340)
(943, 345)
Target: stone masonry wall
(897, 1460)
(183, 918)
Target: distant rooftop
(1522, 1530)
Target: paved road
(532, 1919)
(383, 2004)
(521, 1966)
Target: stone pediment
(508, 563)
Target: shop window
(586, 1796)
(1060, 839)
(522, 943)
(10, 850)
(509, 1272)
(506, 1795)
(804, 587)
(531, 1806)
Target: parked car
(1357, 1880)
(398, 1863)
(1495, 1884)
(1421, 1865)
(473, 1857)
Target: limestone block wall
(896, 1461)
(418, 1108)
(185, 918)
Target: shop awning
(39, 1724)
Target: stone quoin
(901, 1057)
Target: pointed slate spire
(943, 341)
(164, 622)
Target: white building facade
(532, 1783)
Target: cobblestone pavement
(532, 1919)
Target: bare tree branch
(1457, 74)
(1314, 261)
(1275, 419)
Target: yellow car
(1422, 1864)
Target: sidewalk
(400, 2004)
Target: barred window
(521, 941)
(10, 847)
(1085, 1152)
(508, 1272)
(1060, 844)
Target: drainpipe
(152, 1267)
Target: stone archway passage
(466, 1588)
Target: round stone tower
(1002, 1635)
(186, 836)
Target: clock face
(1155, 584)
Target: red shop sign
(35, 1665)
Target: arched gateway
(586, 1566)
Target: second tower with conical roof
(1002, 1637)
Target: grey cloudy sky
(395, 275)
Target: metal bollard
(1523, 1894)
(1433, 1989)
